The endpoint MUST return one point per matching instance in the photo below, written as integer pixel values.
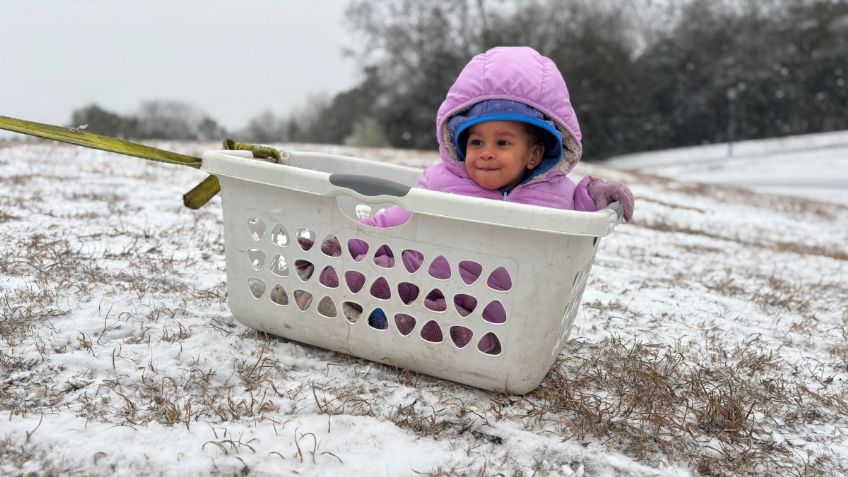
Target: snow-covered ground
(712, 340)
(813, 165)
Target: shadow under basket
(475, 291)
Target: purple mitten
(606, 192)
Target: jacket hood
(518, 74)
(504, 110)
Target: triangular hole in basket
(494, 312)
(352, 311)
(357, 249)
(304, 268)
(440, 268)
(256, 258)
(432, 332)
(408, 292)
(500, 280)
(469, 271)
(331, 246)
(405, 323)
(257, 287)
(327, 307)
(303, 299)
(412, 260)
(377, 319)
(489, 344)
(355, 280)
(328, 277)
(256, 228)
(380, 289)
(280, 236)
(305, 238)
(460, 336)
(279, 267)
(435, 301)
(465, 304)
(384, 257)
(279, 295)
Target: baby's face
(498, 153)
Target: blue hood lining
(551, 156)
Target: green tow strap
(96, 141)
(203, 192)
(193, 199)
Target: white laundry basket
(269, 209)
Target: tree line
(154, 120)
(645, 75)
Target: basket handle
(369, 186)
(617, 208)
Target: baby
(506, 131)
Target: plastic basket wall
(476, 303)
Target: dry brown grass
(7, 216)
(839, 351)
(795, 247)
(20, 455)
(663, 403)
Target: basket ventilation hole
(304, 268)
(303, 299)
(331, 247)
(257, 258)
(384, 257)
(494, 312)
(469, 271)
(257, 286)
(305, 237)
(489, 344)
(440, 268)
(279, 267)
(408, 292)
(357, 249)
(431, 332)
(380, 289)
(405, 323)
(595, 241)
(377, 319)
(328, 277)
(412, 260)
(465, 304)
(352, 311)
(327, 308)
(460, 336)
(279, 236)
(256, 228)
(355, 280)
(435, 301)
(279, 295)
(500, 280)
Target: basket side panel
(469, 302)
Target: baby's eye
(474, 142)
(503, 142)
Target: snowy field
(712, 340)
(813, 166)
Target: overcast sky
(231, 59)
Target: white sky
(230, 59)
